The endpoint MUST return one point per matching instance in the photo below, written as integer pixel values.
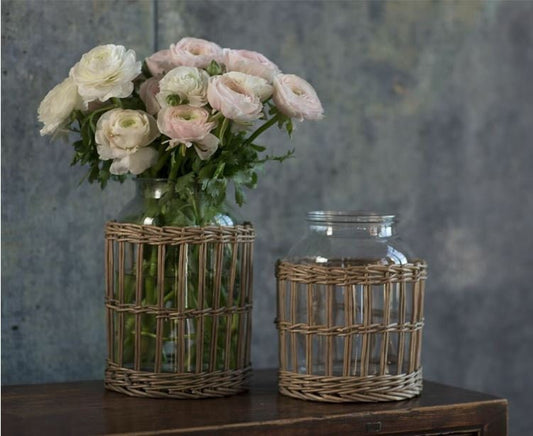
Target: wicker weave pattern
(354, 275)
(350, 333)
(176, 385)
(200, 344)
(154, 235)
(342, 331)
(351, 389)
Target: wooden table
(86, 408)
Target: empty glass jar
(350, 297)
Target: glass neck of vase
(352, 224)
(152, 189)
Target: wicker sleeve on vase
(350, 333)
(178, 304)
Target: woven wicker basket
(350, 333)
(178, 303)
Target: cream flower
(296, 98)
(188, 83)
(106, 71)
(123, 135)
(250, 62)
(234, 99)
(195, 52)
(188, 125)
(257, 85)
(57, 105)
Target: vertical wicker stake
(178, 309)
(342, 375)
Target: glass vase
(179, 296)
(156, 203)
(350, 310)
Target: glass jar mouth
(349, 216)
(152, 188)
(150, 179)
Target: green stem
(175, 164)
(194, 205)
(150, 275)
(216, 117)
(262, 128)
(102, 109)
(160, 162)
(169, 296)
(92, 124)
(222, 132)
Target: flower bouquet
(185, 122)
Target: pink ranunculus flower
(250, 62)
(148, 90)
(296, 98)
(233, 99)
(160, 63)
(195, 52)
(188, 125)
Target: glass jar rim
(150, 179)
(350, 216)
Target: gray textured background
(429, 114)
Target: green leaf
(196, 164)
(240, 198)
(206, 172)
(103, 177)
(219, 170)
(253, 182)
(83, 178)
(184, 182)
(93, 173)
(289, 126)
(247, 178)
(216, 189)
(279, 158)
(258, 148)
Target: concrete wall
(429, 113)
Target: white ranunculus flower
(135, 163)
(188, 83)
(106, 71)
(123, 135)
(257, 85)
(57, 106)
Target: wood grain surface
(86, 408)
